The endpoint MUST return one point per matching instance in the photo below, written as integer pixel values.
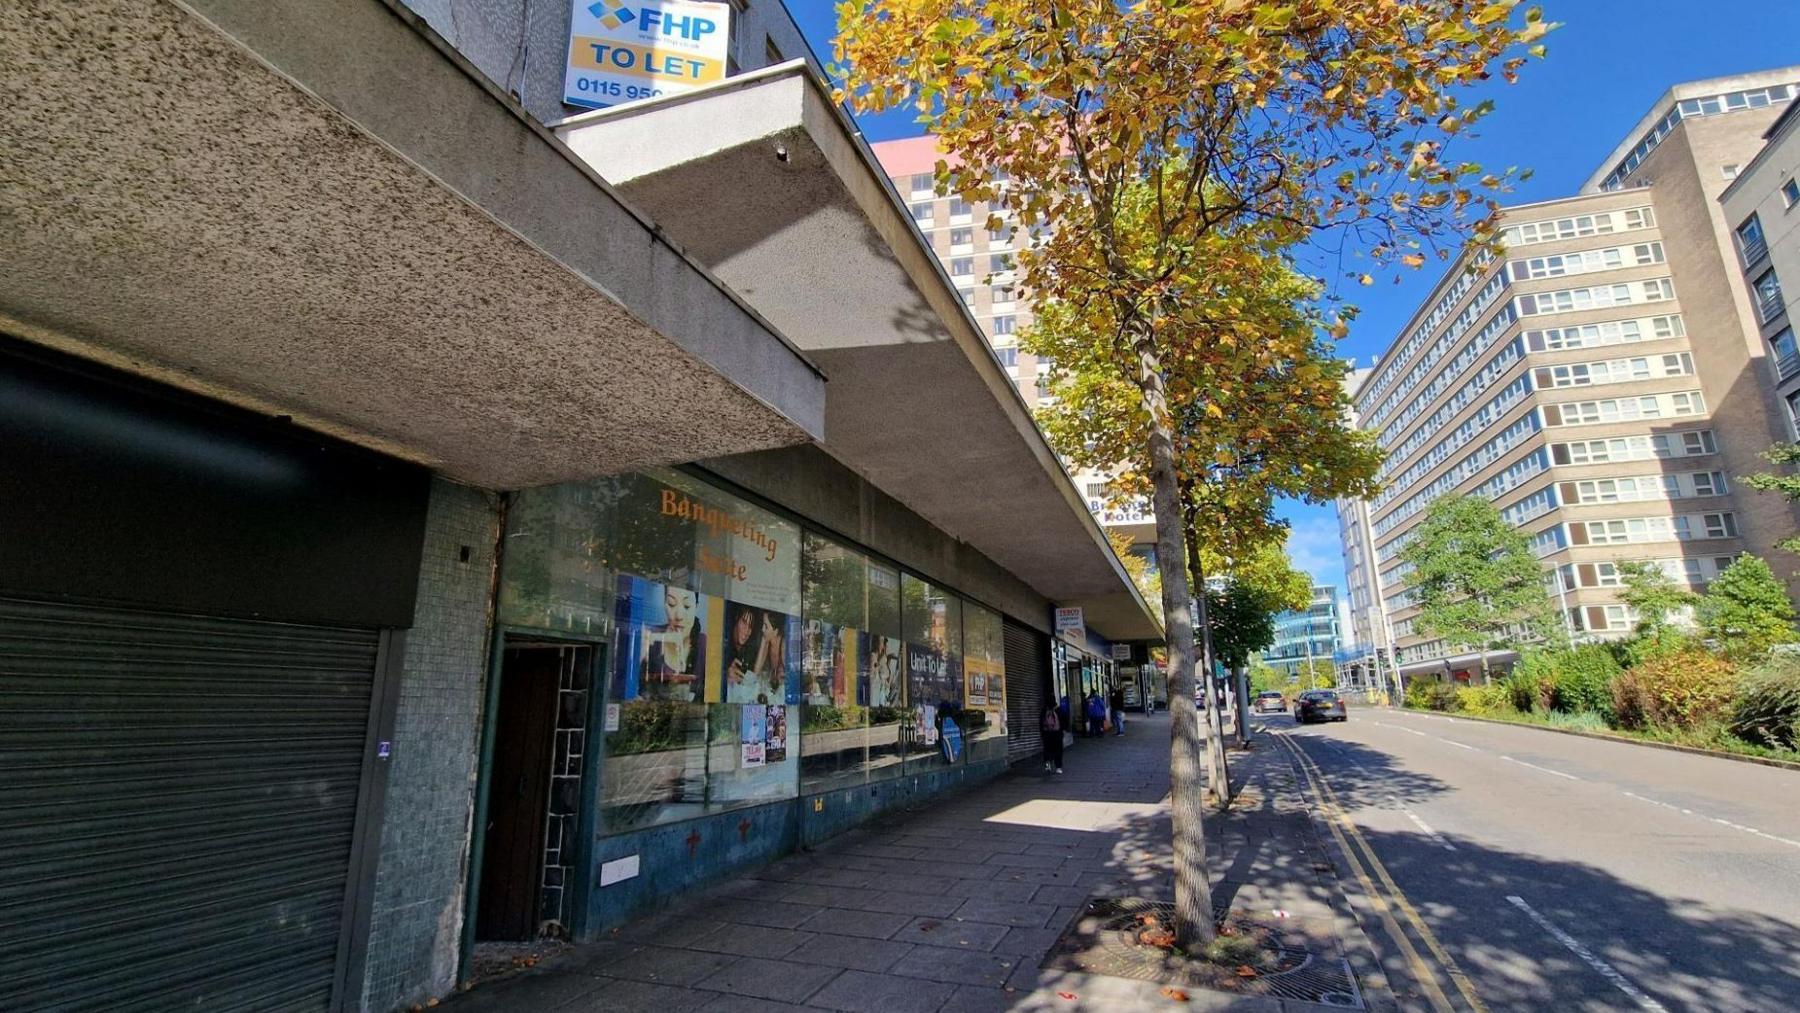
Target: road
(1528, 870)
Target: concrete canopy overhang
(765, 181)
(320, 211)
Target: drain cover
(1301, 965)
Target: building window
(1751, 244)
(1790, 192)
(1005, 324)
(1002, 295)
(1008, 355)
(922, 215)
(922, 184)
(962, 240)
(1000, 263)
(1769, 303)
(1729, 170)
(852, 681)
(1787, 355)
(1793, 403)
(960, 211)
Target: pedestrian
(1096, 715)
(1117, 705)
(1050, 727)
(1069, 722)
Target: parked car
(1320, 705)
(1272, 702)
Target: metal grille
(177, 796)
(1027, 680)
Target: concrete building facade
(439, 516)
(1603, 382)
(1759, 206)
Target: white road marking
(1722, 822)
(1587, 956)
(1436, 837)
(1459, 745)
(1546, 770)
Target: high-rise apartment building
(1603, 382)
(980, 264)
(1762, 206)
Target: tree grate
(1303, 962)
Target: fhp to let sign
(620, 51)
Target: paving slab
(778, 980)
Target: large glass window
(931, 628)
(984, 682)
(698, 594)
(852, 690)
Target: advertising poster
(762, 655)
(885, 686)
(775, 734)
(925, 724)
(753, 736)
(623, 50)
(951, 741)
(661, 641)
(829, 663)
(927, 670)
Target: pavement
(953, 905)
(1553, 872)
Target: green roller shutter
(177, 801)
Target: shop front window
(984, 683)
(697, 595)
(931, 632)
(851, 684)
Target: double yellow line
(1363, 862)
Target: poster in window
(753, 735)
(925, 724)
(775, 734)
(762, 655)
(661, 641)
(829, 663)
(885, 685)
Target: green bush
(1430, 694)
(1766, 711)
(1532, 684)
(1493, 699)
(1685, 690)
(1583, 680)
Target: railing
(1753, 250)
(1787, 365)
(1770, 305)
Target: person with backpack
(1096, 715)
(1050, 726)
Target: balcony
(1787, 365)
(1753, 250)
(1769, 304)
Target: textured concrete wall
(522, 45)
(812, 483)
(416, 921)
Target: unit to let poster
(763, 650)
(754, 734)
(661, 641)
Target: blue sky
(1608, 62)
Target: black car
(1319, 705)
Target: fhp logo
(653, 20)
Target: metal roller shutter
(1027, 682)
(177, 799)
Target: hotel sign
(622, 51)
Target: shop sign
(622, 51)
(1071, 624)
(1121, 652)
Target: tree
(1478, 584)
(1746, 610)
(1137, 567)
(1318, 674)
(1780, 455)
(1264, 678)
(1659, 602)
(1165, 144)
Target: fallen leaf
(1066, 995)
(1246, 971)
(1175, 993)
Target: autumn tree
(1225, 126)
(1658, 601)
(1477, 581)
(1785, 482)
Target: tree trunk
(1218, 768)
(1193, 895)
(1241, 679)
